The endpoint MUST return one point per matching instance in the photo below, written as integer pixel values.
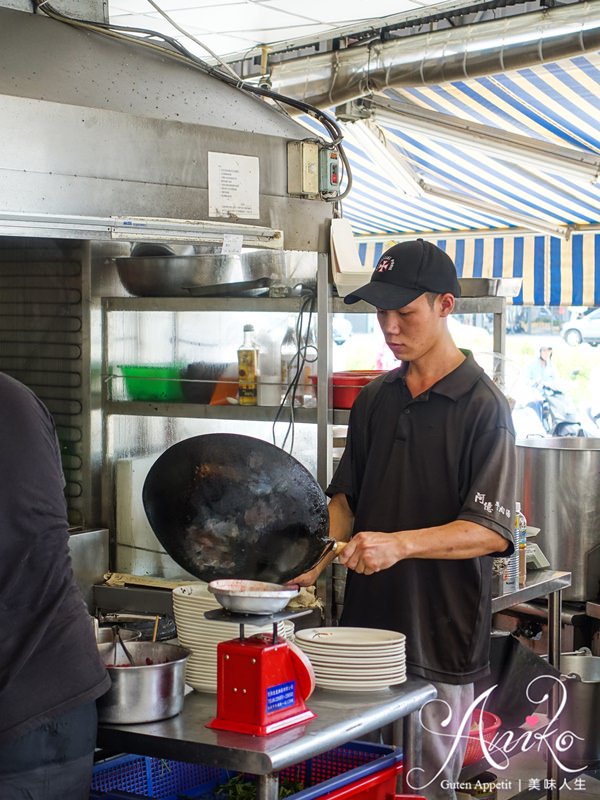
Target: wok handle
(333, 545)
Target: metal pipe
(531, 610)
(514, 42)
(554, 639)
(412, 740)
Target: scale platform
(222, 615)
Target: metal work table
(341, 717)
(540, 583)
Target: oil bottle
(248, 369)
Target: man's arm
(341, 521)
(372, 551)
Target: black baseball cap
(406, 271)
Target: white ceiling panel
(349, 11)
(252, 22)
(170, 6)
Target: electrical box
(329, 171)
(303, 168)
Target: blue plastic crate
(144, 777)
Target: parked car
(584, 329)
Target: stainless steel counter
(341, 717)
(540, 582)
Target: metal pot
(264, 264)
(230, 506)
(167, 276)
(581, 676)
(106, 635)
(558, 483)
(147, 691)
(143, 249)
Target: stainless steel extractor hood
(94, 126)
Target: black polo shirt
(413, 463)
(49, 662)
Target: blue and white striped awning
(556, 103)
(554, 272)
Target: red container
(378, 786)
(347, 385)
(490, 724)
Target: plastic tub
(358, 770)
(347, 385)
(154, 382)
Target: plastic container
(155, 382)
(357, 770)
(491, 724)
(347, 385)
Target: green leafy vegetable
(240, 788)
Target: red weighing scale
(262, 680)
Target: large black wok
(229, 506)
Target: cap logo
(385, 265)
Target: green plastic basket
(156, 382)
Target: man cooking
(425, 493)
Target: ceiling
(234, 28)
(409, 180)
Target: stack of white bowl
(354, 659)
(202, 636)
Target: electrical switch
(329, 171)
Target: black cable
(300, 358)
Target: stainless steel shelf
(540, 582)
(341, 416)
(195, 410)
(219, 304)
(464, 305)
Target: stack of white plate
(354, 659)
(202, 636)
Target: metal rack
(321, 415)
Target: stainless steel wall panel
(43, 343)
(94, 10)
(42, 58)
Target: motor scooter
(559, 414)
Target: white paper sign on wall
(233, 186)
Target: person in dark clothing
(50, 670)
(425, 495)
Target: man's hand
(370, 551)
(307, 578)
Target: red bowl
(347, 385)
